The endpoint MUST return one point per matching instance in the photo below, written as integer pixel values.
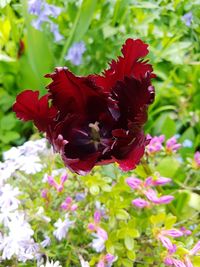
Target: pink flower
(155, 144)
(58, 186)
(167, 243)
(102, 233)
(172, 145)
(197, 160)
(97, 217)
(44, 193)
(168, 261)
(67, 205)
(133, 182)
(195, 249)
(106, 261)
(178, 263)
(158, 181)
(188, 262)
(185, 231)
(172, 232)
(164, 199)
(140, 203)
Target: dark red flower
(97, 119)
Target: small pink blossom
(172, 232)
(167, 243)
(172, 145)
(102, 233)
(44, 193)
(164, 199)
(97, 217)
(158, 181)
(68, 205)
(188, 262)
(195, 249)
(155, 144)
(185, 231)
(168, 261)
(140, 203)
(58, 186)
(197, 160)
(106, 261)
(133, 182)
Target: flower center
(95, 135)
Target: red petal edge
(28, 107)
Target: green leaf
(158, 219)
(122, 214)
(194, 201)
(9, 136)
(168, 167)
(94, 190)
(129, 242)
(169, 127)
(131, 255)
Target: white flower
(18, 242)
(51, 264)
(98, 243)
(6, 215)
(40, 214)
(33, 147)
(62, 227)
(8, 198)
(30, 164)
(6, 170)
(12, 154)
(83, 262)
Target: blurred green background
(170, 27)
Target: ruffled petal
(128, 65)
(68, 92)
(28, 107)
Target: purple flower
(187, 18)
(172, 145)
(80, 196)
(44, 11)
(51, 10)
(34, 7)
(75, 53)
(133, 182)
(54, 29)
(140, 203)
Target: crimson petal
(28, 106)
(130, 65)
